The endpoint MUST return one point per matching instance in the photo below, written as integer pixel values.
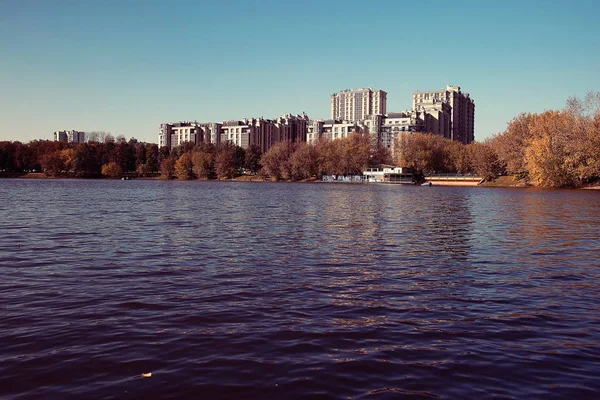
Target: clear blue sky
(126, 66)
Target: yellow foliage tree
(67, 157)
(183, 167)
(112, 170)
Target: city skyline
(126, 67)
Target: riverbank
(506, 181)
(501, 181)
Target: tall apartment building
(461, 112)
(69, 136)
(357, 104)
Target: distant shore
(501, 181)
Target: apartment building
(448, 113)
(254, 131)
(355, 105)
(175, 134)
(383, 129)
(459, 109)
(69, 136)
(395, 123)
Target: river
(265, 290)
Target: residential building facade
(461, 112)
(69, 136)
(355, 105)
(449, 113)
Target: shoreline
(502, 181)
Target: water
(260, 290)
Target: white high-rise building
(461, 112)
(357, 104)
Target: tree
(140, 153)
(379, 155)
(167, 168)
(7, 156)
(183, 167)
(24, 158)
(303, 162)
(356, 153)
(329, 157)
(203, 164)
(52, 163)
(422, 151)
(456, 157)
(512, 144)
(86, 161)
(548, 157)
(67, 157)
(112, 170)
(276, 161)
(252, 158)
(152, 157)
(239, 157)
(225, 162)
(484, 159)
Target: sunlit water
(261, 290)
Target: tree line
(82, 160)
(556, 148)
(550, 149)
(117, 158)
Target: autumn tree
(203, 162)
(225, 162)
(379, 155)
(183, 167)
(112, 170)
(356, 151)
(167, 168)
(484, 160)
(329, 157)
(303, 162)
(67, 157)
(548, 157)
(276, 161)
(456, 157)
(422, 151)
(52, 163)
(511, 145)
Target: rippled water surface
(260, 290)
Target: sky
(127, 66)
